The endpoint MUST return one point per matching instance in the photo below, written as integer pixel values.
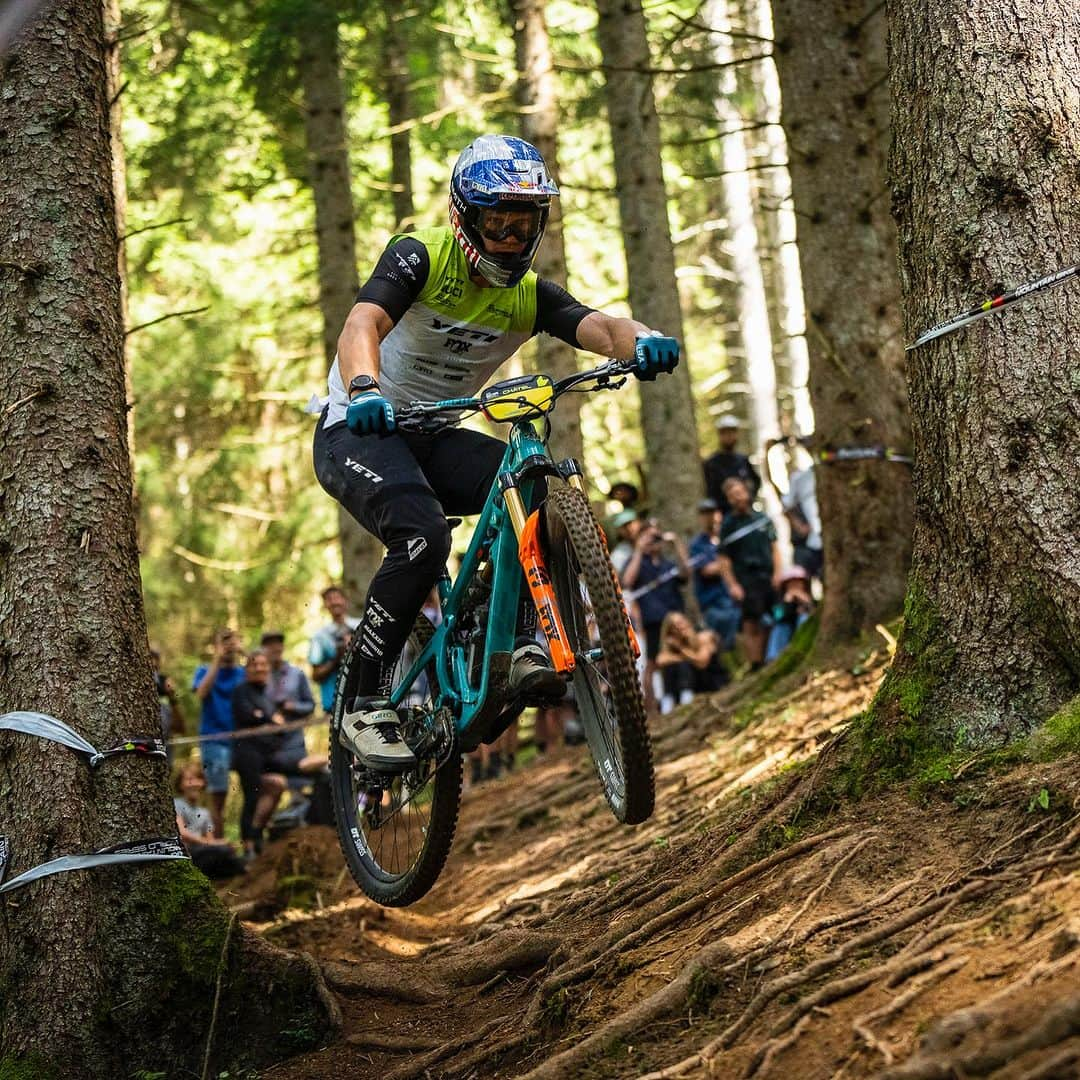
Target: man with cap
(626, 525)
(727, 463)
(717, 591)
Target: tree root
(394, 981)
(420, 1065)
(665, 1001)
(1059, 1022)
(861, 1024)
(1055, 1066)
(373, 1041)
(625, 937)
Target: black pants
(252, 758)
(401, 488)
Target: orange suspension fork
(531, 555)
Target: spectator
(791, 611)
(625, 494)
(329, 644)
(263, 762)
(195, 826)
(655, 582)
(801, 509)
(627, 525)
(289, 692)
(689, 661)
(749, 540)
(213, 685)
(171, 714)
(727, 463)
(718, 593)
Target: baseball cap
(706, 505)
(624, 517)
(727, 422)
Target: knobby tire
(577, 556)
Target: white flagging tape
(48, 727)
(156, 849)
(141, 851)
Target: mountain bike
(450, 683)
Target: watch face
(362, 382)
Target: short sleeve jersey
(216, 713)
(450, 335)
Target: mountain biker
(443, 309)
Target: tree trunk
(831, 58)
(399, 112)
(328, 163)
(102, 971)
(775, 219)
(750, 300)
(537, 91)
(667, 405)
(986, 190)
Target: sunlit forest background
(225, 340)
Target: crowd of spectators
(723, 601)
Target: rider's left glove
(655, 354)
(370, 414)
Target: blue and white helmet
(499, 174)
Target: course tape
(157, 849)
(247, 733)
(48, 727)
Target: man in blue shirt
(718, 593)
(213, 685)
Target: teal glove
(370, 414)
(653, 354)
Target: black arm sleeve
(558, 313)
(399, 275)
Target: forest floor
(752, 928)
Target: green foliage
(1039, 801)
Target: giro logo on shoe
(415, 547)
(363, 470)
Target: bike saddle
(453, 522)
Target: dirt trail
(742, 932)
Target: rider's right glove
(370, 414)
(653, 354)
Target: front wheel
(605, 678)
(396, 830)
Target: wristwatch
(361, 384)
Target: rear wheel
(396, 830)
(606, 685)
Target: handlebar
(427, 417)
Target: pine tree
(986, 190)
(137, 949)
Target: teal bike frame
(496, 539)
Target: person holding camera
(655, 582)
(214, 684)
(329, 643)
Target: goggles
(520, 222)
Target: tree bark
(537, 92)
(399, 111)
(831, 59)
(328, 166)
(985, 190)
(102, 971)
(667, 405)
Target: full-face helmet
(500, 188)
